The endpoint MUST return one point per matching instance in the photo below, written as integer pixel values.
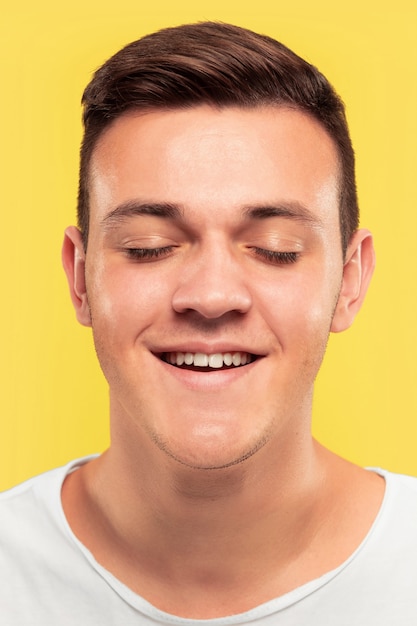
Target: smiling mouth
(198, 361)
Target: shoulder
(400, 492)
(33, 506)
(33, 528)
(392, 542)
(397, 522)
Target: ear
(357, 272)
(73, 259)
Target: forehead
(212, 162)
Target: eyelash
(279, 258)
(148, 253)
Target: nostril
(212, 298)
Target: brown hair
(218, 64)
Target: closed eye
(279, 258)
(148, 253)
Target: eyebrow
(133, 208)
(288, 210)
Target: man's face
(214, 242)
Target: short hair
(221, 65)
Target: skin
(226, 501)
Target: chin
(210, 454)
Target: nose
(213, 284)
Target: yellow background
(53, 398)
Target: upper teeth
(199, 359)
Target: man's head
(214, 268)
(223, 66)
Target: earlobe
(73, 259)
(357, 273)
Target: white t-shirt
(48, 578)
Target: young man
(217, 247)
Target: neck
(143, 492)
(228, 538)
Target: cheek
(299, 307)
(122, 306)
(122, 299)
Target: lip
(207, 348)
(212, 380)
(201, 380)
